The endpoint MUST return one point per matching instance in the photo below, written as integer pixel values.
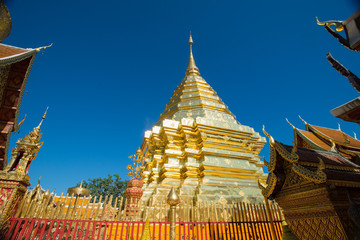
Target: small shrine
(14, 177)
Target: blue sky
(115, 64)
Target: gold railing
(112, 208)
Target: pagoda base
(213, 190)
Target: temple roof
(327, 139)
(331, 159)
(10, 54)
(337, 136)
(337, 167)
(317, 166)
(312, 138)
(349, 111)
(7, 51)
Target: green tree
(113, 185)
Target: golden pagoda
(199, 148)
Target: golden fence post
(270, 218)
(173, 200)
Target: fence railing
(118, 209)
(32, 228)
(42, 216)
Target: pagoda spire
(43, 117)
(191, 69)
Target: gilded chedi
(199, 147)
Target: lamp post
(173, 200)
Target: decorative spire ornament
(25, 152)
(43, 117)
(191, 69)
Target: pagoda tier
(198, 147)
(15, 66)
(318, 190)
(327, 139)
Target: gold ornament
(137, 166)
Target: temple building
(15, 67)
(327, 139)
(198, 147)
(316, 182)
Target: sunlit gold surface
(173, 198)
(137, 166)
(79, 191)
(23, 154)
(146, 234)
(199, 147)
(191, 69)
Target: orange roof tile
(314, 139)
(337, 136)
(8, 51)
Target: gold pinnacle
(191, 69)
(43, 117)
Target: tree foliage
(113, 185)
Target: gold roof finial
(271, 139)
(338, 24)
(303, 120)
(290, 124)
(41, 48)
(191, 69)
